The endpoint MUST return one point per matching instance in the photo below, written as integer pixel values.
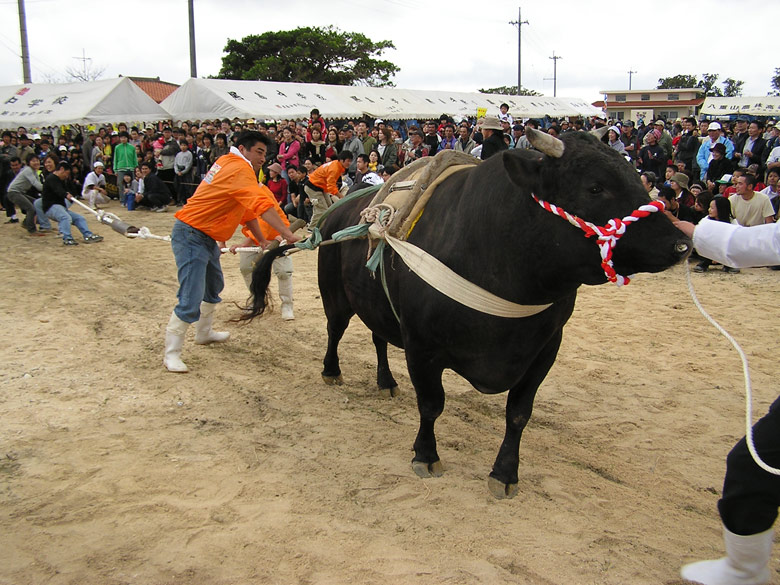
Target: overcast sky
(440, 44)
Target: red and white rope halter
(607, 235)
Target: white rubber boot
(746, 563)
(286, 294)
(203, 332)
(174, 339)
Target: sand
(250, 470)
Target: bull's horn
(545, 143)
(600, 132)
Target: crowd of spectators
(157, 165)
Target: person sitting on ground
(772, 189)
(321, 186)
(718, 166)
(679, 184)
(673, 209)
(24, 181)
(152, 192)
(277, 184)
(57, 200)
(94, 190)
(751, 208)
(719, 210)
(649, 179)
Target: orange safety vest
(229, 195)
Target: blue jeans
(43, 221)
(66, 217)
(199, 271)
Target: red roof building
(154, 88)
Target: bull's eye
(596, 189)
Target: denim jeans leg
(195, 253)
(59, 214)
(80, 223)
(43, 221)
(215, 282)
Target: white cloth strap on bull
(451, 284)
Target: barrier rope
(746, 373)
(607, 235)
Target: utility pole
(630, 73)
(555, 73)
(193, 67)
(25, 46)
(519, 22)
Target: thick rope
(746, 373)
(606, 235)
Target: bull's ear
(523, 166)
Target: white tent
(200, 99)
(749, 106)
(51, 104)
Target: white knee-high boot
(286, 294)
(174, 339)
(203, 332)
(746, 562)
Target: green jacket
(125, 158)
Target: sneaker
(93, 238)
(731, 270)
(700, 268)
(162, 209)
(69, 242)
(13, 220)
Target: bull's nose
(682, 247)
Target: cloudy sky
(440, 44)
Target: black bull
(484, 224)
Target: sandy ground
(251, 470)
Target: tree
(677, 82)
(509, 90)
(776, 83)
(707, 83)
(309, 55)
(732, 87)
(87, 71)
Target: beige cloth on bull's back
(409, 190)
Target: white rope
(145, 233)
(745, 370)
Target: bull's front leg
(426, 378)
(519, 406)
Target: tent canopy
(749, 106)
(200, 99)
(51, 104)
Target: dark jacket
(54, 192)
(493, 145)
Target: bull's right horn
(545, 143)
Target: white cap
(98, 164)
(713, 126)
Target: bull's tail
(261, 278)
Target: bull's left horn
(600, 132)
(545, 143)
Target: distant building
(154, 88)
(649, 104)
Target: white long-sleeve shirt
(738, 246)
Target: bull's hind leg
(426, 378)
(519, 405)
(384, 377)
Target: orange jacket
(269, 233)
(327, 176)
(228, 195)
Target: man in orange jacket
(229, 195)
(322, 185)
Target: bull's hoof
(501, 490)
(424, 470)
(333, 380)
(389, 392)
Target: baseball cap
(713, 126)
(98, 164)
(724, 180)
